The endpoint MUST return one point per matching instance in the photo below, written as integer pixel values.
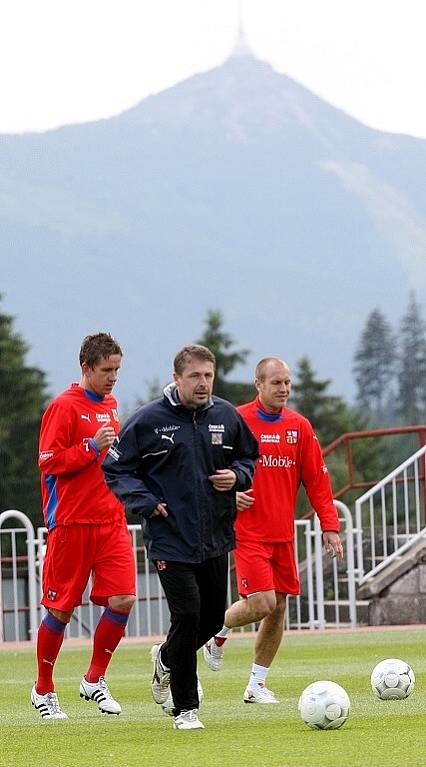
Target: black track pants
(196, 595)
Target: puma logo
(50, 662)
(85, 417)
(171, 439)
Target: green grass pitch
(377, 733)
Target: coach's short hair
(260, 369)
(187, 353)
(96, 347)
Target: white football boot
(47, 705)
(213, 654)
(188, 720)
(100, 694)
(259, 694)
(160, 685)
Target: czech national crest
(291, 436)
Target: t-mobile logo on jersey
(276, 461)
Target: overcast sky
(66, 61)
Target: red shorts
(74, 552)
(265, 567)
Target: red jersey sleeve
(316, 481)
(58, 455)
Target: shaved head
(273, 383)
(265, 364)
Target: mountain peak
(241, 47)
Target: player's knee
(123, 602)
(64, 616)
(262, 604)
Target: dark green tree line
(23, 397)
(390, 368)
(329, 414)
(411, 373)
(374, 365)
(331, 417)
(221, 343)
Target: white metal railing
(326, 600)
(13, 603)
(397, 554)
(342, 597)
(150, 614)
(390, 515)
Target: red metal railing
(346, 441)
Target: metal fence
(390, 516)
(327, 598)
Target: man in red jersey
(290, 454)
(87, 529)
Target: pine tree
(220, 343)
(411, 401)
(329, 415)
(374, 366)
(22, 401)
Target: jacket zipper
(199, 503)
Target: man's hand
(160, 510)
(104, 437)
(333, 545)
(244, 500)
(223, 480)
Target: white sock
(223, 632)
(258, 675)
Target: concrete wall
(403, 601)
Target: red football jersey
(72, 482)
(290, 454)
